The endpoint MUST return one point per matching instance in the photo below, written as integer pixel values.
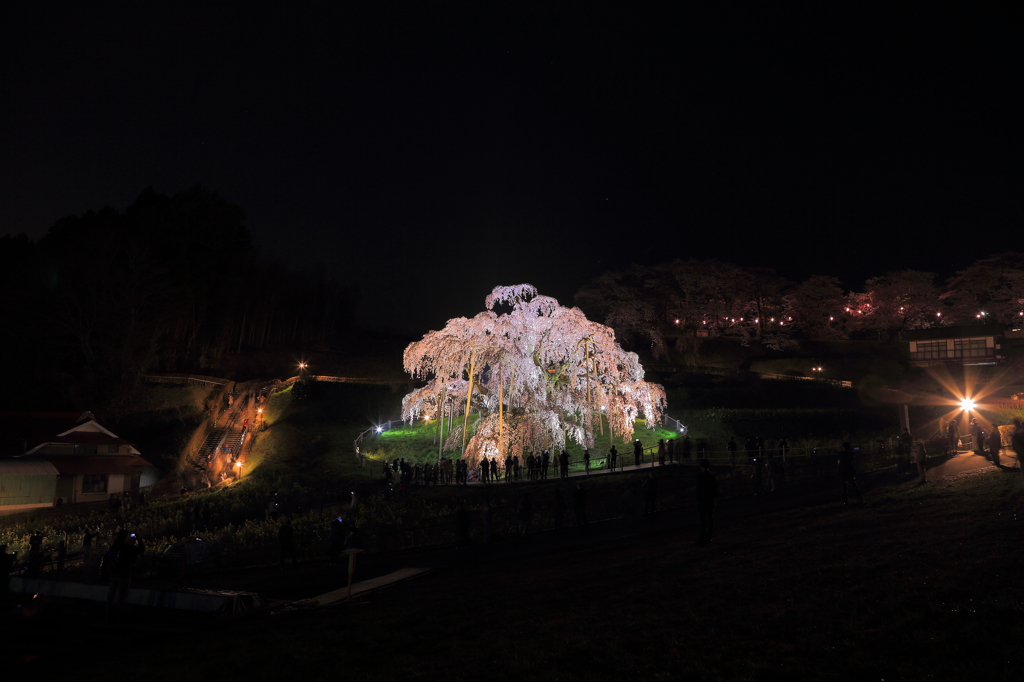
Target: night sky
(430, 155)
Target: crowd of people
(767, 467)
(532, 467)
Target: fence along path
(871, 455)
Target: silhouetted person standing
(638, 451)
(769, 474)
(545, 462)
(579, 504)
(1017, 443)
(953, 433)
(707, 491)
(87, 537)
(559, 510)
(995, 443)
(122, 555)
(286, 541)
(6, 566)
(848, 474)
(338, 535)
(650, 493)
(977, 438)
(922, 457)
(907, 444)
(524, 513)
(756, 475)
(661, 452)
(35, 554)
(586, 460)
(488, 515)
(563, 464)
(613, 458)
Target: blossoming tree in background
(532, 377)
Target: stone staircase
(233, 443)
(214, 440)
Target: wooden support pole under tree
(589, 398)
(501, 410)
(440, 422)
(469, 396)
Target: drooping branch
(534, 351)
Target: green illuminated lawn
(416, 442)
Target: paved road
(967, 461)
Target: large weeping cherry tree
(533, 377)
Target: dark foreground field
(921, 583)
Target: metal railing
(870, 456)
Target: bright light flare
(967, 404)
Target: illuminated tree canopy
(536, 376)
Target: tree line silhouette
(172, 283)
(683, 299)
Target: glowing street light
(818, 370)
(967, 404)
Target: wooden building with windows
(91, 461)
(967, 345)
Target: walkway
(966, 462)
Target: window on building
(112, 448)
(94, 483)
(930, 350)
(970, 348)
(85, 449)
